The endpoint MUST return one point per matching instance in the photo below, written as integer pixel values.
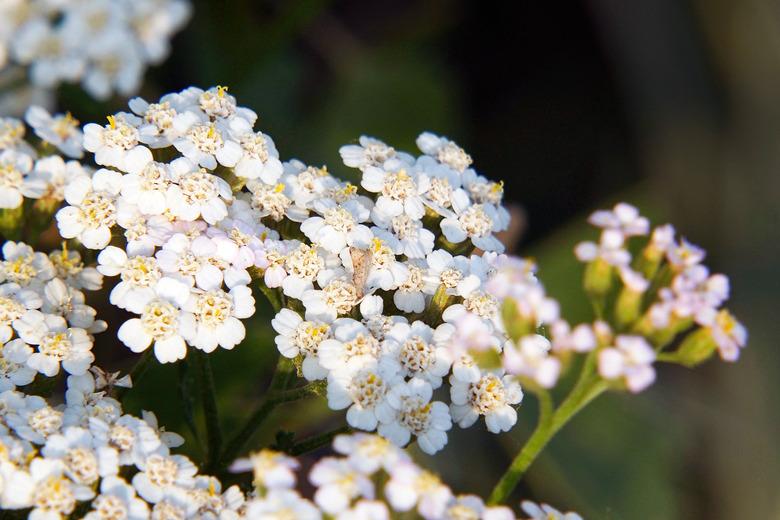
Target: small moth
(361, 259)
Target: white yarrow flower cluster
(106, 46)
(368, 477)
(45, 324)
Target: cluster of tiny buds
(104, 45)
(346, 487)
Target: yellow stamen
(221, 90)
(279, 188)
(111, 121)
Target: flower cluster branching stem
(209, 396)
(588, 387)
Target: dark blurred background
(673, 105)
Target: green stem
(317, 441)
(210, 411)
(588, 387)
(138, 370)
(272, 400)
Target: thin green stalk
(316, 441)
(272, 400)
(209, 397)
(588, 387)
(138, 370)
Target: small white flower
(117, 143)
(50, 176)
(53, 494)
(631, 359)
(59, 298)
(400, 193)
(370, 152)
(581, 338)
(14, 302)
(453, 272)
(361, 385)
(14, 168)
(160, 474)
(70, 268)
(207, 144)
(410, 295)
(369, 453)
(14, 370)
(259, 159)
(298, 337)
(139, 276)
(117, 499)
(92, 208)
(410, 486)
(213, 317)
(336, 298)
(147, 188)
(273, 200)
(83, 402)
(624, 218)
(338, 483)
(476, 222)
(161, 322)
(339, 226)
(61, 130)
(414, 413)
(491, 396)
(198, 194)
(414, 348)
(282, 502)
(24, 267)
(444, 151)
(545, 512)
(730, 335)
(531, 358)
(56, 344)
(83, 463)
(270, 469)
